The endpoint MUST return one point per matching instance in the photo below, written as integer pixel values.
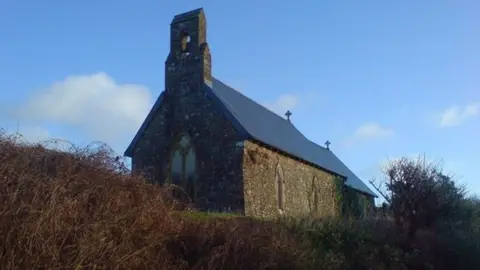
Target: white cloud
(377, 170)
(457, 115)
(460, 170)
(369, 131)
(283, 104)
(449, 167)
(95, 104)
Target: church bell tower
(189, 62)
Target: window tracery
(183, 165)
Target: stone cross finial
(288, 114)
(327, 143)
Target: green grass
(202, 216)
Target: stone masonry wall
(231, 174)
(186, 108)
(260, 195)
(219, 159)
(357, 204)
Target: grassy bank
(80, 211)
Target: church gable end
(218, 144)
(188, 140)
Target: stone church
(228, 152)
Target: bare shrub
(81, 210)
(419, 194)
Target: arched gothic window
(183, 165)
(280, 188)
(314, 198)
(185, 43)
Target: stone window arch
(185, 42)
(280, 189)
(183, 165)
(150, 173)
(314, 195)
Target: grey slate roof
(269, 128)
(253, 121)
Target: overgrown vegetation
(82, 210)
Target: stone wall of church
(260, 192)
(187, 109)
(219, 159)
(357, 204)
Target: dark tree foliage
(420, 195)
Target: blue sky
(379, 79)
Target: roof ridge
(316, 144)
(247, 114)
(257, 103)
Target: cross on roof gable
(263, 125)
(253, 121)
(288, 114)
